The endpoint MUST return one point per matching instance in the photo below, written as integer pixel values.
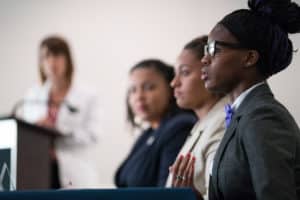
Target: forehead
(144, 75)
(45, 51)
(187, 58)
(186, 55)
(221, 33)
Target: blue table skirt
(102, 194)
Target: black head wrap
(265, 27)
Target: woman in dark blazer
(150, 98)
(259, 156)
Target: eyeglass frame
(212, 45)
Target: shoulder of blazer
(256, 98)
(180, 123)
(259, 100)
(38, 92)
(80, 95)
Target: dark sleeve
(269, 139)
(179, 132)
(137, 145)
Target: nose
(50, 61)
(138, 95)
(175, 82)
(206, 60)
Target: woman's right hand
(183, 173)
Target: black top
(154, 151)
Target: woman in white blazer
(192, 166)
(60, 104)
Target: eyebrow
(183, 65)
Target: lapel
(43, 95)
(71, 101)
(229, 133)
(193, 138)
(202, 125)
(40, 99)
(248, 103)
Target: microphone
(70, 107)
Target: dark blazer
(154, 151)
(259, 156)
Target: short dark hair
(197, 46)
(264, 28)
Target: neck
(154, 124)
(202, 111)
(58, 91)
(237, 91)
(59, 87)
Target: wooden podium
(24, 153)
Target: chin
(217, 90)
(142, 116)
(210, 87)
(180, 103)
(183, 105)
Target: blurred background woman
(150, 98)
(57, 103)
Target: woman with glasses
(201, 146)
(259, 155)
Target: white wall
(107, 38)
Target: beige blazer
(203, 142)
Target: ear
(251, 58)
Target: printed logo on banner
(5, 167)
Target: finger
(171, 169)
(183, 165)
(175, 170)
(190, 172)
(177, 163)
(181, 171)
(187, 179)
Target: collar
(215, 110)
(237, 102)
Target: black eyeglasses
(210, 48)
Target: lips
(204, 75)
(141, 108)
(177, 94)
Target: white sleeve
(87, 130)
